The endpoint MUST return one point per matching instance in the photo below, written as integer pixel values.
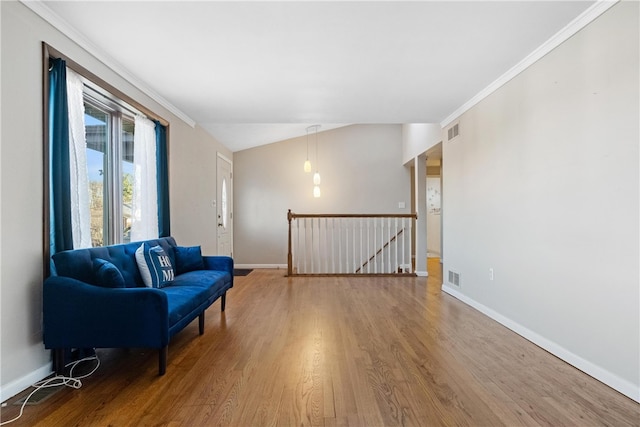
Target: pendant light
(307, 163)
(316, 176)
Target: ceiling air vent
(453, 132)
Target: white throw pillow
(154, 265)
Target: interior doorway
(434, 214)
(434, 202)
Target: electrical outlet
(491, 274)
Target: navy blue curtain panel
(61, 238)
(59, 178)
(162, 167)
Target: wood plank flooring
(337, 352)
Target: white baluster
(389, 270)
(333, 246)
(411, 244)
(353, 244)
(379, 247)
(327, 246)
(375, 245)
(318, 255)
(360, 254)
(395, 244)
(304, 245)
(326, 252)
(404, 258)
(347, 221)
(313, 257)
(368, 254)
(340, 243)
(296, 256)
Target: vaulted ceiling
(252, 73)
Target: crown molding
(41, 9)
(556, 40)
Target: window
(96, 181)
(109, 131)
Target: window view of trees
(109, 135)
(96, 207)
(127, 203)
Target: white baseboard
(615, 382)
(14, 387)
(422, 273)
(273, 266)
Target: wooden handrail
(292, 215)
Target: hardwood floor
(337, 352)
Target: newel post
(289, 254)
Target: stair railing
(350, 244)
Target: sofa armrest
(218, 263)
(77, 314)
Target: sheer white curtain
(144, 223)
(80, 216)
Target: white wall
(361, 169)
(193, 175)
(543, 186)
(417, 138)
(192, 166)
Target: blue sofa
(84, 308)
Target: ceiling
(252, 73)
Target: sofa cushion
(188, 258)
(155, 265)
(189, 290)
(106, 274)
(208, 279)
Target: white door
(224, 205)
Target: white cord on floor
(59, 380)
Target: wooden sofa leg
(223, 301)
(201, 322)
(162, 359)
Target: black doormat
(242, 271)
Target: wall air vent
(454, 278)
(453, 132)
